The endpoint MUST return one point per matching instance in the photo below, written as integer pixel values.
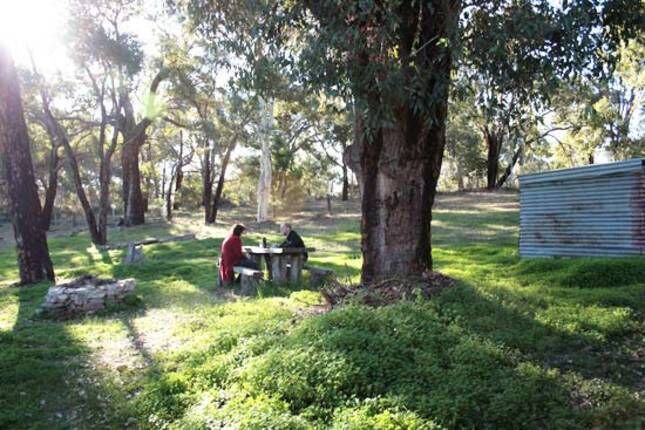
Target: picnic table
(283, 264)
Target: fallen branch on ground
(190, 236)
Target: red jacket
(231, 255)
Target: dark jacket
(294, 241)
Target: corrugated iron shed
(596, 210)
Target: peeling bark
(401, 163)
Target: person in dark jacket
(232, 255)
(293, 239)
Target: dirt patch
(388, 291)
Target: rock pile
(85, 295)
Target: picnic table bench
(283, 264)
(249, 279)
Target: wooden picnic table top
(260, 250)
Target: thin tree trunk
(105, 174)
(264, 182)
(34, 263)
(460, 176)
(351, 155)
(179, 174)
(207, 182)
(345, 192)
(148, 193)
(168, 197)
(163, 182)
(493, 145)
(105, 177)
(220, 182)
(82, 197)
(509, 169)
(52, 186)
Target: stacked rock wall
(85, 295)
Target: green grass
(552, 343)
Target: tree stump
(134, 254)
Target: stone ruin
(85, 295)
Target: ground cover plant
(515, 343)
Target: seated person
(293, 239)
(232, 255)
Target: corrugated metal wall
(596, 210)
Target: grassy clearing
(532, 344)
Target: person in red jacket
(232, 255)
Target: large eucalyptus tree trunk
(264, 182)
(399, 174)
(34, 263)
(400, 164)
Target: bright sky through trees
(35, 25)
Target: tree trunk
(180, 170)
(493, 145)
(352, 155)
(400, 166)
(399, 173)
(105, 174)
(460, 176)
(134, 138)
(148, 193)
(168, 198)
(134, 203)
(82, 197)
(590, 158)
(264, 181)
(509, 169)
(207, 182)
(52, 186)
(220, 182)
(345, 192)
(34, 263)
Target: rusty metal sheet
(596, 210)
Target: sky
(36, 25)
(39, 26)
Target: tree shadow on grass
(452, 359)
(47, 379)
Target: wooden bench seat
(249, 279)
